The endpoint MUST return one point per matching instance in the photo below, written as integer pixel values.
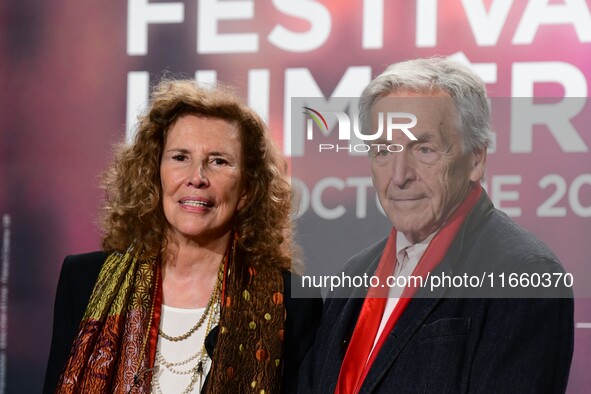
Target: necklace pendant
(200, 371)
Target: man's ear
(477, 164)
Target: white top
(408, 256)
(175, 322)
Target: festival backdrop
(76, 73)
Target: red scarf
(357, 361)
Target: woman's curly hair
(132, 213)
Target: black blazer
(458, 345)
(78, 276)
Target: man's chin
(411, 231)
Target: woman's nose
(198, 177)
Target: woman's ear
(242, 201)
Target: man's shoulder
(508, 238)
(502, 246)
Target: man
(441, 341)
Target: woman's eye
(425, 150)
(179, 157)
(219, 161)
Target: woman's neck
(190, 272)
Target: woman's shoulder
(83, 269)
(303, 312)
(300, 300)
(84, 261)
(293, 287)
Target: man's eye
(179, 157)
(426, 155)
(378, 151)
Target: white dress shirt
(408, 256)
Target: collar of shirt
(404, 267)
(414, 252)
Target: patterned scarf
(115, 347)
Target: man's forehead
(430, 109)
(436, 115)
(425, 103)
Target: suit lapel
(407, 326)
(341, 320)
(341, 316)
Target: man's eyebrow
(423, 136)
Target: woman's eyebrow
(179, 150)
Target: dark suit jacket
(76, 282)
(458, 345)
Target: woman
(192, 290)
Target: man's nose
(403, 167)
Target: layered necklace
(188, 366)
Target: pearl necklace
(212, 313)
(212, 300)
(196, 371)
